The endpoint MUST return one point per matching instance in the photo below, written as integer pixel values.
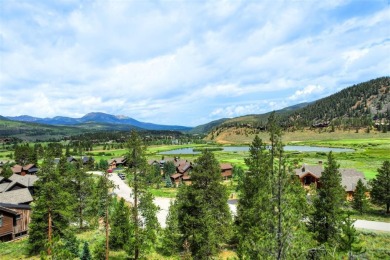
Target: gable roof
(350, 178)
(27, 180)
(19, 196)
(16, 168)
(315, 170)
(226, 166)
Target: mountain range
(97, 117)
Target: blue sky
(185, 62)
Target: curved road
(124, 191)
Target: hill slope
(360, 105)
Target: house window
(1, 220)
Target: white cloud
(308, 91)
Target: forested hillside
(363, 105)
(358, 105)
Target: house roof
(350, 178)
(27, 180)
(226, 166)
(19, 196)
(315, 170)
(4, 187)
(117, 160)
(16, 168)
(4, 209)
(176, 175)
(14, 206)
(186, 177)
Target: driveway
(124, 191)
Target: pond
(297, 148)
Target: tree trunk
(49, 233)
(136, 248)
(388, 208)
(107, 251)
(81, 217)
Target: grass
(164, 192)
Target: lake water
(297, 148)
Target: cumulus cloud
(308, 91)
(184, 62)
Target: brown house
(226, 170)
(117, 162)
(14, 221)
(29, 169)
(311, 174)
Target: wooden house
(117, 162)
(14, 221)
(226, 170)
(311, 174)
(29, 169)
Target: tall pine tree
(204, 215)
(380, 192)
(272, 204)
(52, 209)
(143, 211)
(325, 221)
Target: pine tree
(85, 254)
(380, 191)
(171, 236)
(6, 171)
(120, 226)
(51, 210)
(204, 216)
(272, 204)
(349, 241)
(326, 219)
(143, 211)
(359, 201)
(81, 187)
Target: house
(14, 221)
(87, 159)
(29, 169)
(117, 162)
(311, 174)
(226, 170)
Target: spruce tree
(171, 236)
(326, 219)
(81, 188)
(143, 211)
(86, 254)
(272, 204)
(359, 201)
(204, 216)
(380, 191)
(120, 226)
(349, 241)
(52, 209)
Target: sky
(185, 62)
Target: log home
(14, 221)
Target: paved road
(372, 225)
(124, 191)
